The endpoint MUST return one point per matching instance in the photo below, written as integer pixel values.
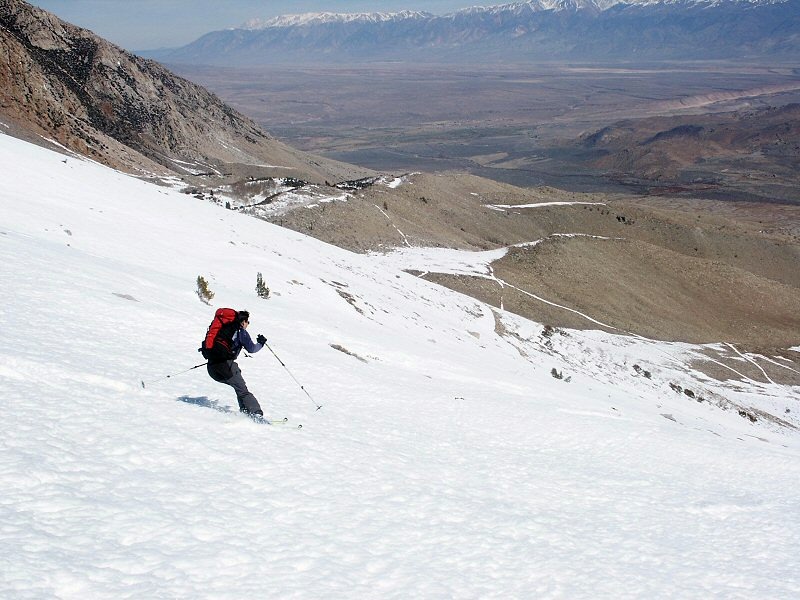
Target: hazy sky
(150, 24)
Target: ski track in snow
(450, 464)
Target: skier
(227, 371)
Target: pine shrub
(203, 292)
(261, 289)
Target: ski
(268, 421)
(285, 421)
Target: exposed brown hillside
(695, 273)
(749, 152)
(61, 82)
(653, 291)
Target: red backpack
(218, 343)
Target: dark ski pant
(228, 372)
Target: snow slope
(446, 462)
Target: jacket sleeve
(248, 343)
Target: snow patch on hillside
(503, 207)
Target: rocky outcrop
(64, 83)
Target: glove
(261, 339)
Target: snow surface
(446, 462)
(396, 182)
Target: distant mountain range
(538, 30)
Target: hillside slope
(447, 461)
(743, 154)
(62, 83)
(682, 273)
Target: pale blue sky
(150, 24)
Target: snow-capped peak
(597, 5)
(318, 18)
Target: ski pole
(292, 376)
(178, 373)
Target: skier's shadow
(205, 402)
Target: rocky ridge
(65, 84)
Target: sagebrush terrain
(708, 129)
